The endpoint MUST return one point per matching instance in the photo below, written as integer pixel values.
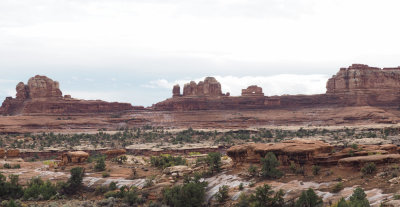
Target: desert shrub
(368, 168)
(7, 166)
(396, 197)
(309, 199)
(131, 196)
(243, 201)
(222, 195)
(166, 160)
(293, 167)
(74, 182)
(114, 194)
(269, 165)
(252, 170)
(214, 162)
(316, 169)
(38, 189)
(100, 165)
(105, 174)
(359, 198)
(120, 159)
(264, 196)
(112, 186)
(337, 187)
(149, 182)
(241, 187)
(100, 190)
(188, 194)
(11, 188)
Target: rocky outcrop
(43, 95)
(298, 151)
(357, 85)
(209, 87)
(11, 153)
(252, 91)
(360, 161)
(114, 152)
(73, 158)
(2, 153)
(363, 85)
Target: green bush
(112, 186)
(316, 169)
(38, 189)
(222, 195)
(264, 196)
(252, 170)
(337, 187)
(214, 162)
(11, 188)
(309, 199)
(189, 194)
(269, 165)
(105, 174)
(166, 160)
(7, 166)
(357, 199)
(74, 183)
(369, 168)
(100, 165)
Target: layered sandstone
(74, 157)
(357, 85)
(299, 151)
(43, 95)
(363, 85)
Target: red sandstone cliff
(42, 95)
(358, 85)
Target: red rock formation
(43, 95)
(209, 87)
(358, 85)
(12, 153)
(252, 91)
(176, 91)
(2, 153)
(299, 151)
(364, 85)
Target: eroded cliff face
(43, 95)
(363, 85)
(360, 77)
(357, 85)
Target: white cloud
(272, 85)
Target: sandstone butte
(357, 85)
(43, 95)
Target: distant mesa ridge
(357, 85)
(43, 95)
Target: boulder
(12, 153)
(73, 157)
(252, 91)
(359, 161)
(2, 153)
(178, 169)
(114, 152)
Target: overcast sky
(135, 50)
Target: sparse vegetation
(368, 169)
(269, 166)
(166, 160)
